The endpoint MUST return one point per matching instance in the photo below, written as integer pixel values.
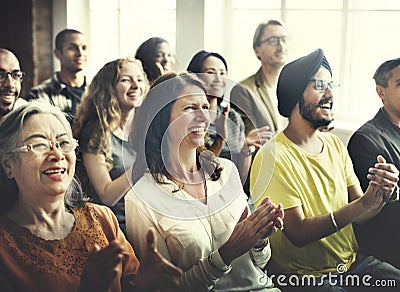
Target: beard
(308, 112)
(4, 111)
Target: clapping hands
(102, 267)
(155, 271)
(383, 181)
(258, 137)
(265, 220)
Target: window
(117, 28)
(356, 36)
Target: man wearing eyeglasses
(66, 87)
(10, 81)
(256, 100)
(380, 135)
(311, 174)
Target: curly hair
(100, 109)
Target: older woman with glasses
(51, 239)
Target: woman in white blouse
(194, 200)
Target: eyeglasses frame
(30, 147)
(19, 78)
(325, 83)
(280, 40)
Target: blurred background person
(228, 133)
(256, 99)
(157, 57)
(66, 87)
(11, 78)
(100, 126)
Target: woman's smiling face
(190, 118)
(41, 176)
(130, 86)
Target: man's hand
(383, 181)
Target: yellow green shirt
(316, 182)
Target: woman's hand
(221, 127)
(221, 123)
(101, 268)
(249, 230)
(258, 137)
(158, 69)
(155, 271)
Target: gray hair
(383, 73)
(11, 128)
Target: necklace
(195, 190)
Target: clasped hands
(383, 178)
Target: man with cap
(311, 174)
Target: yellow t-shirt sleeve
(269, 177)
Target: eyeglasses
(45, 146)
(275, 40)
(16, 75)
(322, 85)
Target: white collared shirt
(188, 230)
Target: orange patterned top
(30, 263)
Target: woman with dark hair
(51, 239)
(156, 56)
(226, 135)
(193, 199)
